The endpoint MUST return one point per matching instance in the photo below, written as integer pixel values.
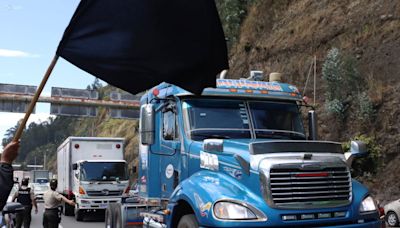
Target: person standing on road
(26, 197)
(9, 154)
(52, 201)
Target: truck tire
(118, 217)
(79, 214)
(68, 210)
(188, 221)
(110, 215)
(392, 219)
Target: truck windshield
(103, 171)
(217, 118)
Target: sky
(30, 31)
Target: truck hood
(256, 150)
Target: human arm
(34, 203)
(10, 152)
(70, 202)
(14, 196)
(60, 197)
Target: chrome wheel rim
(392, 220)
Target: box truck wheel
(188, 221)
(79, 214)
(110, 215)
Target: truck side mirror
(312, 125)
(146, 124)
(74, 166)
(358, 149)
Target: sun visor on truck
(295, 146)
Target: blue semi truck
(239, 156)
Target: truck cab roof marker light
(156, 92)
(76, 146)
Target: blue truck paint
(172, 175)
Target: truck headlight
(233, 211)
(367, 205)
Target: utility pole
(44, 160)
(315, 77)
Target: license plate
(104, 205)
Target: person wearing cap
(9, 154)
(52, 201)
(26, 197)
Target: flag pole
(35, 98)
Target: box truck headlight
(367, 205)
(233, 211)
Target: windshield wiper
(280, 134)
(211, 135)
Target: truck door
(169, 150)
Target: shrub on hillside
(369, 165)
(365, 109)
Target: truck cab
(92, 171)
(239, 156)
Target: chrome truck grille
(297, 188)
(104, 193)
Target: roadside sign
(14, 105)
(124, 113)
(73, 110)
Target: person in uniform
(52, 201)
(26, 197)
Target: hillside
(284, 36)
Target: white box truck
(93, 172)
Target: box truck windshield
(103, 171)
(275, 120)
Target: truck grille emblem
(105, 192)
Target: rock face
(285, 35)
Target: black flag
(136, 44)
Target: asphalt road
(91, 221)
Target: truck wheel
(110, 215)
(118, 217)
(68, 210)
(188, 221)
(79, 214)
(392, 219)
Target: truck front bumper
(95, 203)
(371, 224)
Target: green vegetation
(370, 165)
(232, 14)
(344, 83)
(41, 138)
